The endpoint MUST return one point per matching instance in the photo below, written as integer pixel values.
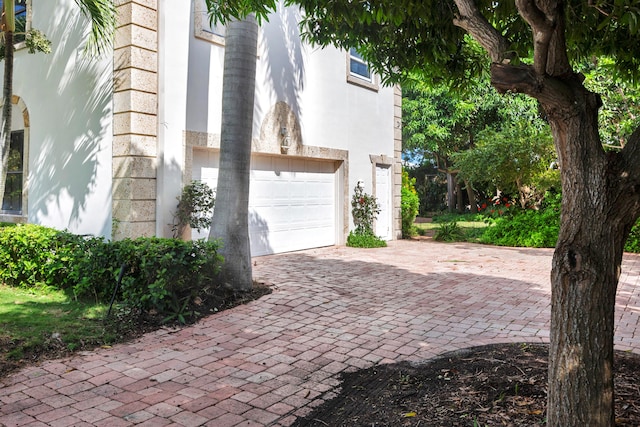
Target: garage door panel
(291, 201)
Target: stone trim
(268, 144)
(397, 165)
(199, 25)
(135, 118)
(23, 217)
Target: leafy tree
(439, 122)
(533, 46)
(102, 15)
(513, 158)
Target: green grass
(32, 322)
(471, 225)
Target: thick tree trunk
(586, 268)
(600, 204)
(7, 109)
(231, 213)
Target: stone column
(135, 119)
(397, 167)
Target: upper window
(22, 18)
(357, 66)
(12, 200)
(359, 72)
(204, 29)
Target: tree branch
(524, 79)
(546, 19)
(473, 22)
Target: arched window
(14, 200)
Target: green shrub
(409, 205)
(449, 232)
(364, 240)
(161, 275)
(195, 208)
(528, 228)
(37, 256)
(633, 241)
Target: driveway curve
(332, 310)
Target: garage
(292, 201)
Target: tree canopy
(534, 48)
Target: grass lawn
(471, 225)
(33, 322)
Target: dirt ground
(495, 385)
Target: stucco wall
(68, 98)
(331, 113)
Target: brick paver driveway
(332, 309)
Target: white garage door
(292, 202)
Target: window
(357, 66)
(358, 71)
(204, 29)
(12, 200)
(22, 18)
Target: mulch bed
(494, 385)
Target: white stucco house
(107, 144)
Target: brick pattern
(332, 310)
(135, 119)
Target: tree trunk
(7, 109)
(600, 204)
(231, 213)
(586, 266)
(473, 206)
(451, 193)
(459, 198)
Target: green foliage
(620, 112)
(161, 275)
(449, 232)
(633, 241)
(409, 204)
(527, 228)
(513, 157)
(438, 122)
(195, 208)
(356, 239)
(37, 256)
(364, 210)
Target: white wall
(68, 97)
(312, 81)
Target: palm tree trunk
(231, 213)
(7, 94)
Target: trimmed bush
(160, 275)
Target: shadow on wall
(259, 235)
(283, 50)
(66, 166)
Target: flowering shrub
(496, 207)
(364, 209)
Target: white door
(383, 194)
(292, 202)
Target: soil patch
(494, 385)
